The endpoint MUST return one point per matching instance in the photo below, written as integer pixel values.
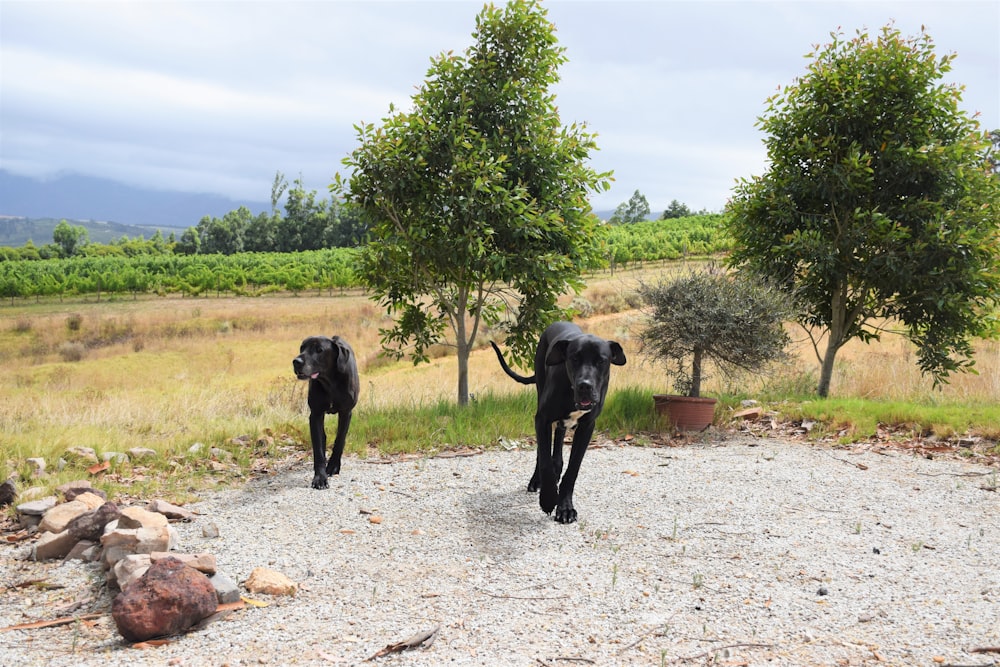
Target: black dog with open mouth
(571, 377)
(332, 371)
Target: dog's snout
(297, 363)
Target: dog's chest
(574, 417)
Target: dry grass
(167, 372)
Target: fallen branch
(413, 642)
(564, 659)
(985, 649)
(66, 620)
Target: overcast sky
(217, 96)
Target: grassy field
(169, 372)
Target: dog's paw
(320, 482)
(533, 484)
(547, 500)
(333, 468)
(566, 515)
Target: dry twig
(416, 640)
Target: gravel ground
(732, 552)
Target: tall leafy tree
(477, 197)
(879, 205)
(636, 209)
(675, 210)
(69, 238)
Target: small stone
(57, 518)
(128, 570)
(202, 562)
(80, 456)
(37, 466)
(226, 589)
(141, 453)
(8, 491)
(85, 550)
(76, 492)
(37, 507)
(53, 545)
(137, 517)
(263, 580)
(168, 510)
(90, 525)
(210, 530)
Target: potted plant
(732, 321)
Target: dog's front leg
(317, 433)
(565, 512)
(546, 478)
(343, 424)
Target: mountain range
(77, 197)
(30, 208)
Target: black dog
(330, 367)
(571, 377)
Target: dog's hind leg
(343, 424)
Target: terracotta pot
(686, 413)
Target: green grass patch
(859, 419)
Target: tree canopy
(477, 196)
(880, 207)
(636, 209)
(69, 238)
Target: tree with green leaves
(636, 209)
(879, 207)
(69, 238)
(477, 197)
(676, 210)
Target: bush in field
(72, 351)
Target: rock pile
(161, 592)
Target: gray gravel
(740, 552)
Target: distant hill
(77, 197)
(16, 231)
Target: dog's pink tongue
(314, 376)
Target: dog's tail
(506, 369)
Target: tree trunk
(463, 357)
(696, 373)
(838, 326)
(826, 370)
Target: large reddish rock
(170, 598)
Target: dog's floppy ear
(557, 353)
(343, 352)
(617, 354)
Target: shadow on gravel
(503, 523)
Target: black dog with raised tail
(571, 378)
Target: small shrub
(23, 325)
(582, 306)
(71, 351)
(74, 321)
(734, 321)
